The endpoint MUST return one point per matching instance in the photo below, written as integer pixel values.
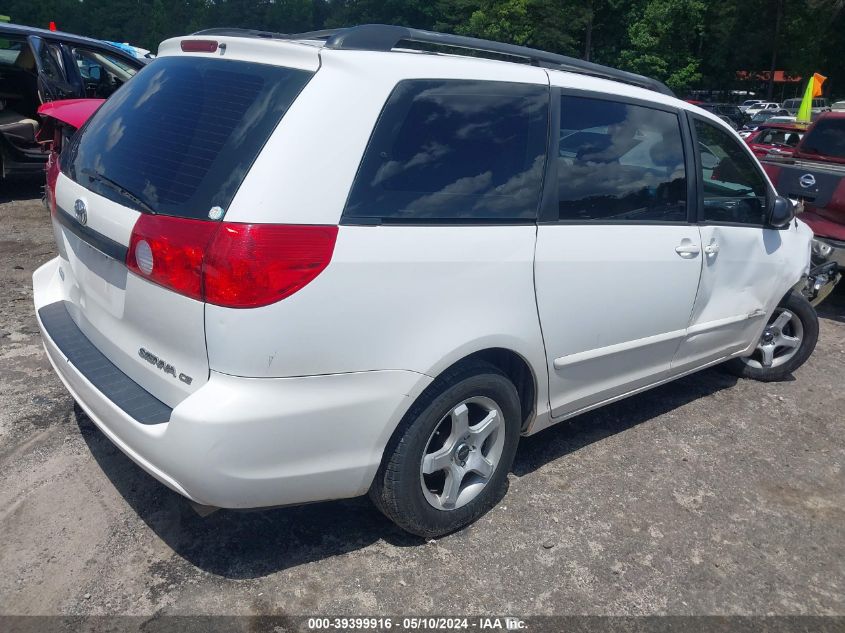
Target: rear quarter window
(452, 150)
(181, 135)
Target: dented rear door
(746, 266)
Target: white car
(760, 107)
(749, 103)
(300, 268)
(818, 105)
(781, 119)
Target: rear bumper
(251, 442)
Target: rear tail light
(229, 264)
(250, 265)
(169, 251)
(52, 178)
(52, 166)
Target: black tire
(397, 489)
(798, 305)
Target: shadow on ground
(257, 543)
(833, 307)
(241, 544)
(22, 189)
(561, 440)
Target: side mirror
(781, 213)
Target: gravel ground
(706, 496)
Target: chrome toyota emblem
(81, 211)
(807, 181)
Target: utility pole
(778, 17)
(588, 36)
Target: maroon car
(775, 138)
(815, 176)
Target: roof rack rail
(381, 37)
(384, 37)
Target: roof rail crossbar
(382, 37)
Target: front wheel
(447, 463)
(788, 340)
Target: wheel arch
(518, 371)
(510, 362)
(514, 365)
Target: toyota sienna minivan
(311, 267)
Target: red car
(814, 174)
(779, 139)
(59, 121)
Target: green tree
(419, 14)
(686, 43)
(553, 25)
(662, 42)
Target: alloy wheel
(462, 453)
(779, 342)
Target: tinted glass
(826, 138)
(454, 150)
(620, 162)
(48, 62)
(101, 73)
(779, 137)
(10, 49)
(734, 189)
(180, 137)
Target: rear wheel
(788, 340)
(448, 461)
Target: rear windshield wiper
(123, 191)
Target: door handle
(687, 249)
(712, 248)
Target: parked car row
(728, 112)
(753, 106)
(750, 114)
(762, 118)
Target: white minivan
(300, 268)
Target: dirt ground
(706, 496)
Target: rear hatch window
(176, 140)
(179, 138)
